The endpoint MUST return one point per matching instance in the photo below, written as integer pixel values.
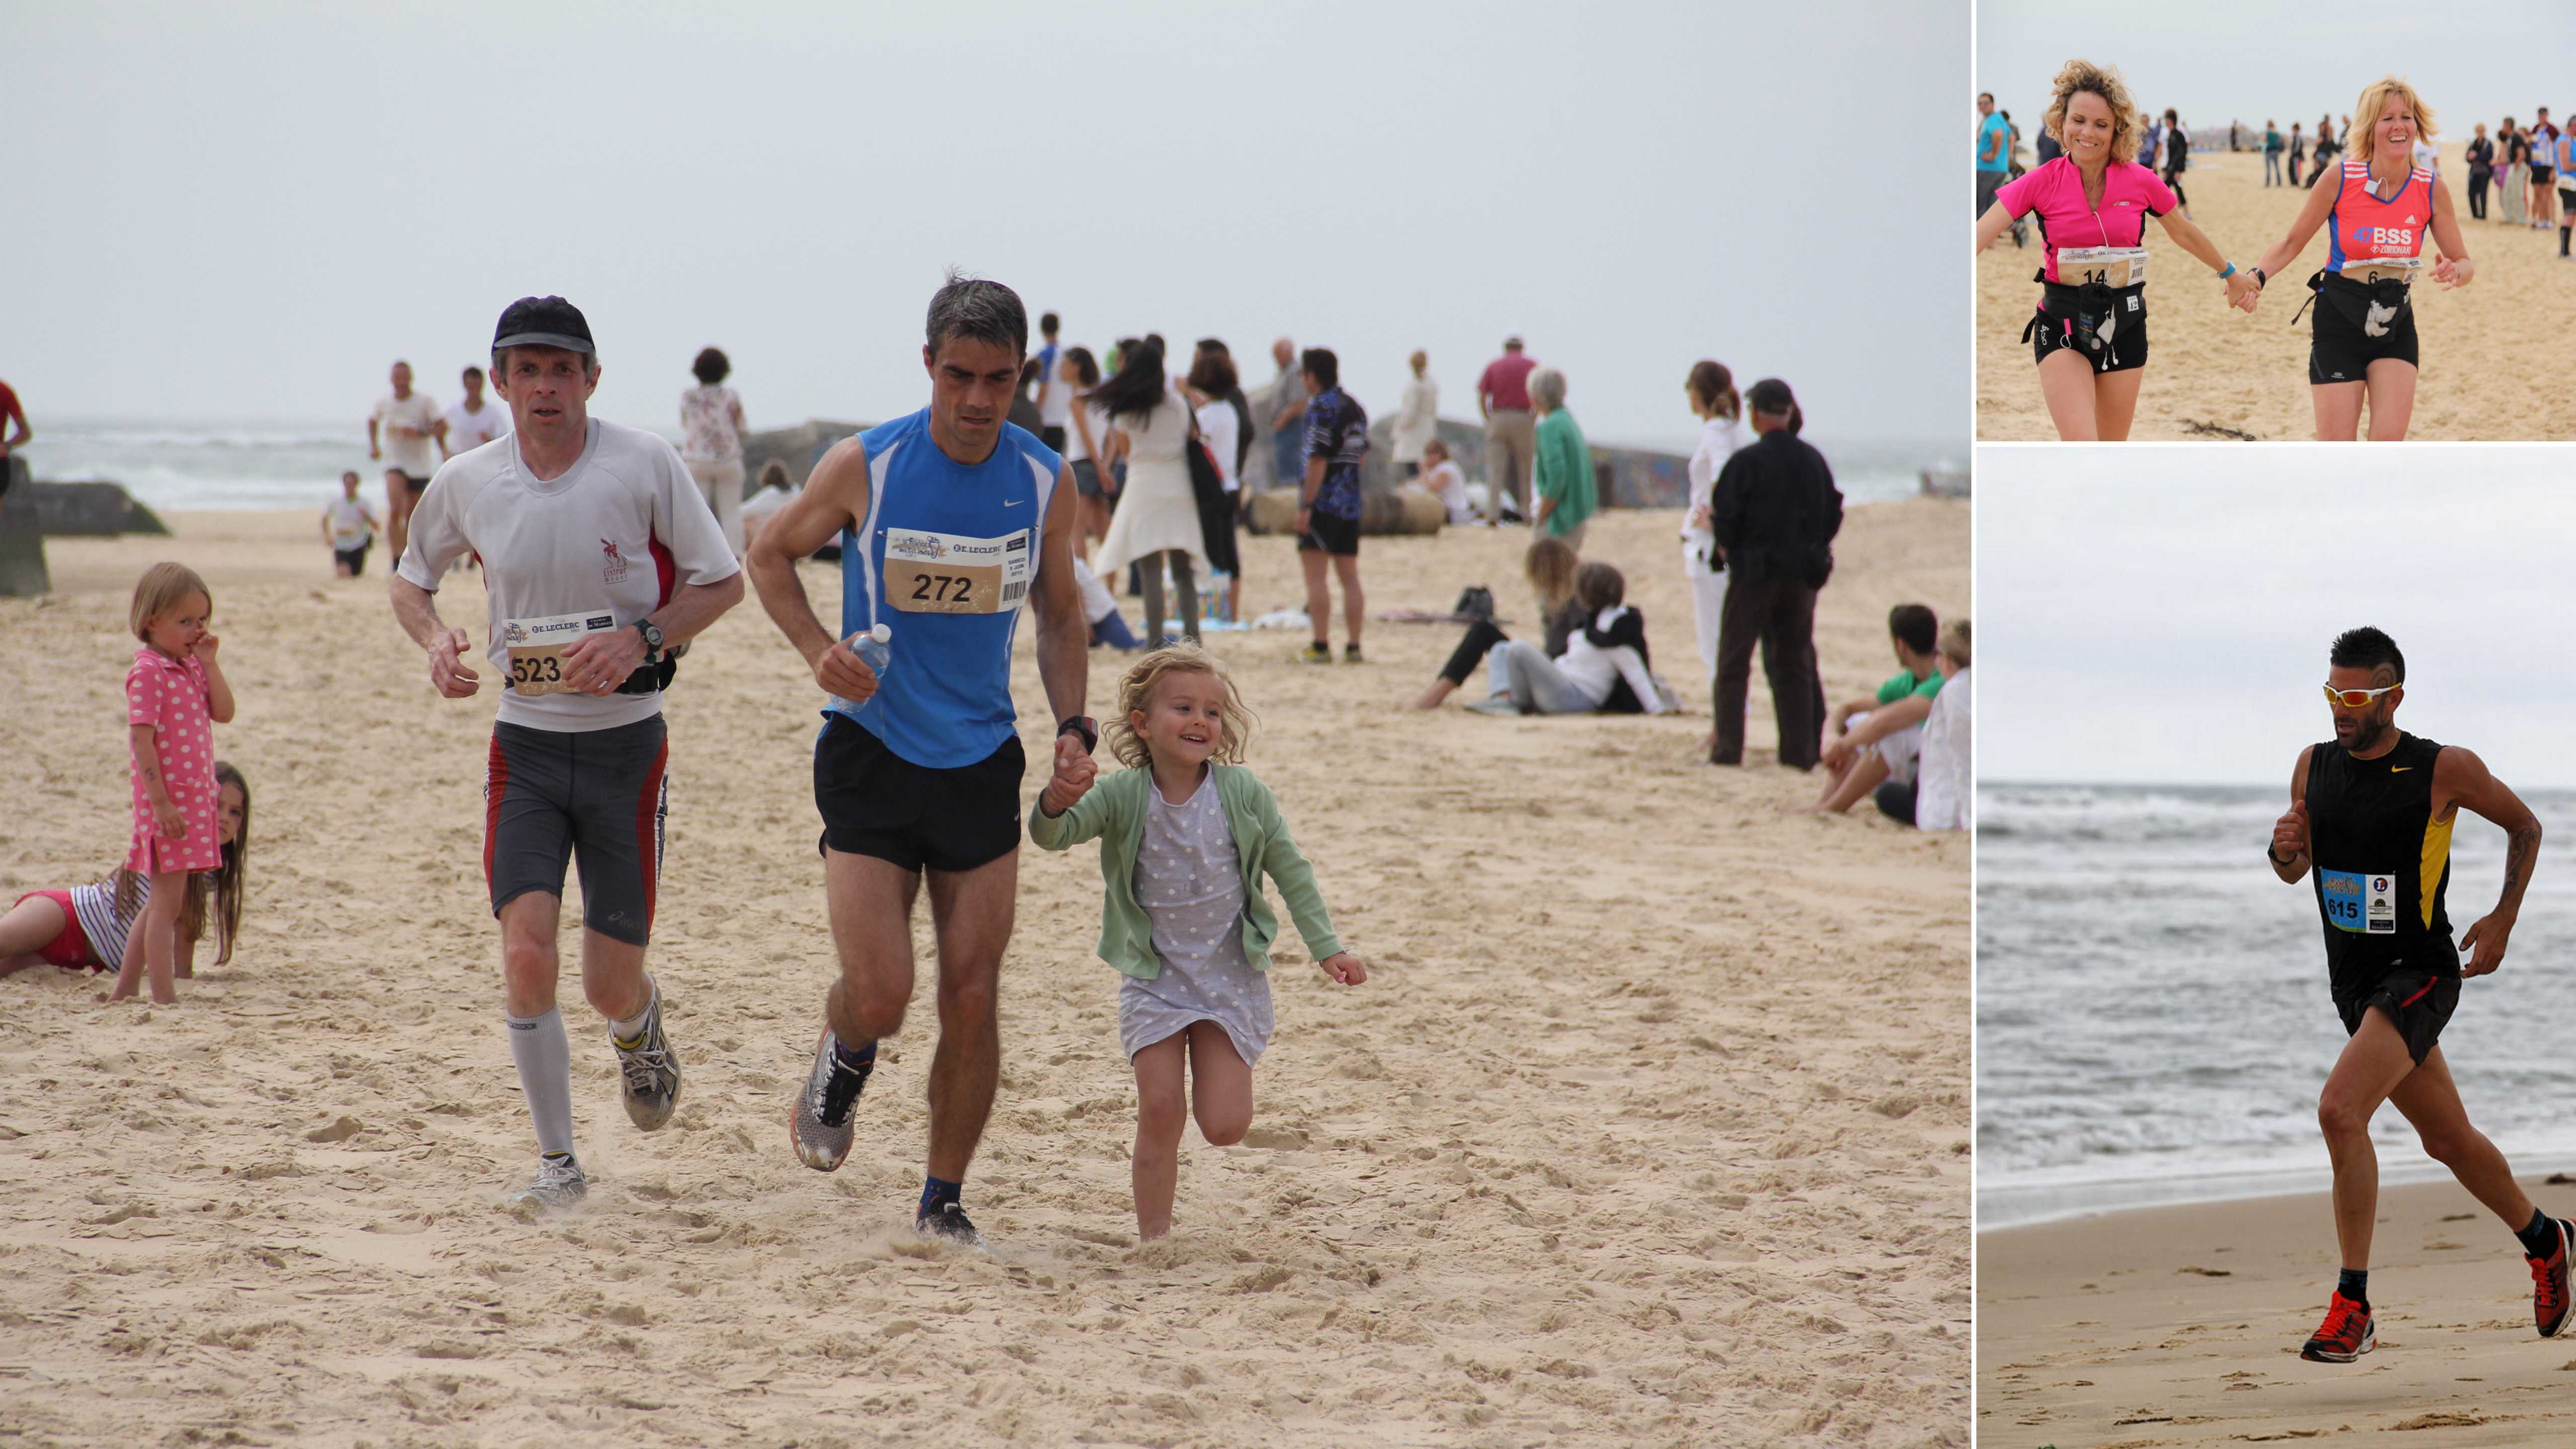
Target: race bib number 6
(2363, 903)
(537, 647)
(944, 573)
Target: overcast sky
(2267, 60)
(248, 210)
(2162, 614)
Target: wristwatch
(652, 640)
(1085, 726)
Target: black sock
(859, 1059)
(2562, 241)
(2539, 1236)
(938, 1192)
(2355, 1285)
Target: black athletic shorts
(1053, 436)
(2049, 331)
(1327, 534)
(2540, 174)
(418, 486)
(876, 802)
(2340, 348)
(355, 558)
(2419, 1003)
(598, 795)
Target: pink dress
(172, 696)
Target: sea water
(2152, 1016)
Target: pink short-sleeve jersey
(2130, 194)
(173, 697)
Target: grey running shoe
(559, 1184)
(949, 1225)
(651, 1070)
(820, 1123)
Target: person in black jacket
(1776, 513)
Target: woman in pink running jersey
(2377, 208)
(2090, 341)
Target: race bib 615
(2357, 902)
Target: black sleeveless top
(2382, 863)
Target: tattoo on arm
(2518, 855)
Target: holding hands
(2243, 291)
(1074, 772)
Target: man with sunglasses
(2371, 811)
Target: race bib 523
(537, 646)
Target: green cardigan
(1114, 811)
(1561, 468)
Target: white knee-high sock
(537, 1044)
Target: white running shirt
(468, 431)
(413, 455)
(596, 538)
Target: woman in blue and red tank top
(2089, 338)
(2376, 208)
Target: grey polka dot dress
(1190, 882)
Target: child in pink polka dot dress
(174, 696)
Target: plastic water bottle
(875, 648)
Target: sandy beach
(2494, 352)
(1650, 1126)
(2179, 1326)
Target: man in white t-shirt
(600, 560)
(473, 422)
(1055, 395)
(399, 432)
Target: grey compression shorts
(553, 795)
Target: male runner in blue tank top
(949, 520)
(2371, 810)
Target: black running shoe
(950, 1225)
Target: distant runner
(398, 435)
(949, 519)
(2371, 810)
(471, 423)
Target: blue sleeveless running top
(945, 558)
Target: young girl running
(174, 694)
(1186, 835)
(91, 926)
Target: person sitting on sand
(1940, 795)
(1605, 666)
(1441, 475)
(1874, 741)
(92, 926)
(1186, 834)
(1549, 565)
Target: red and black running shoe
(2347, 1333)
(2549, 1282)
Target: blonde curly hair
(2374, 104)
(1136, 694)
(2081, 76)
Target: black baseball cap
(1771, 395)
(543, 322)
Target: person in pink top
(2376, 214)
(2090, 335)
(174, 696)
(1511, 429)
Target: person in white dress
(1158, 514)
(1417, 419)
(711, 442)
(1721, 413)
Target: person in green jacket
(1560, 465)
(1186, 834)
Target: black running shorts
(876, 802)
(2418, 1003)
(354, 558)
(1329, 535)
(552, 795)
(418, 485)
(2541, 174)
(2049, 332)
(2340, 348)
